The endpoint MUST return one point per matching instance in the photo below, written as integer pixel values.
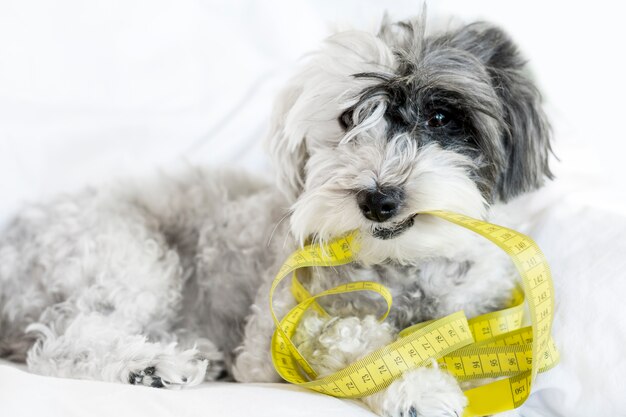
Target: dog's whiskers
(283, 218)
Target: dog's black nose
(380, 204)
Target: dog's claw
(147, 377)
(135, 378)
(157, 383)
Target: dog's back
(81, 253)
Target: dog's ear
(526, 132)
(286, 143)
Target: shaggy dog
(165, 282)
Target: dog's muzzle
(394, 230)
(381, 203)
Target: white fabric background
(91, 90)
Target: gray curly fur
(164, 282)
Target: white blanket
(93, 90)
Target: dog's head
(378, 127)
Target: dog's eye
(439, 118)
(345, 120)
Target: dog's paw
(185, 369)
(423, 392)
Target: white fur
(166, 281)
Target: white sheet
(92, 90)
(23, 394)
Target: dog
(164, 282)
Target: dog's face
(379, 127)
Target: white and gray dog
(165, 282)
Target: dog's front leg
(253, 361)
(332, 344)
(422, 392)
(92, 346)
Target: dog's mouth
(395, 230)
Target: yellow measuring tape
(492, 345)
